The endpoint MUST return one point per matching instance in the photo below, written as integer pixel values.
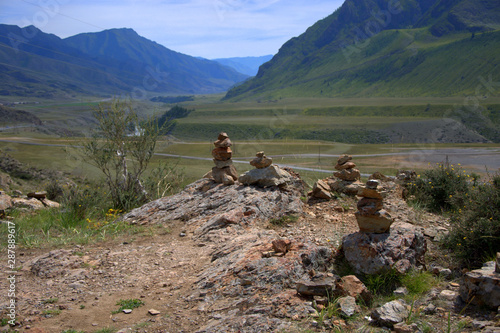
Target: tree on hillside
(121, 147)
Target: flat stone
(369, 193)
(222, 154)
(379, 222)
(261, 162)
(344, 158)
(348, 174)
(127, 311)
(222, 136)
(368, 206)
(321, 287)
(223, 164)
(37, 195)
(224, 143)
(49, 203)
(401, 291)
(153, 312)
(372, 184)
(347, 165)
(448, 295)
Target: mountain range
(246, 65)
(397, 48)
(110, 62)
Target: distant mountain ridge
(111, 62)
(246, 65)
(385, 48)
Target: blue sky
(206, 28)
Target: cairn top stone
(343, 159)
(260, 154)
(222, 136)
(372, 184)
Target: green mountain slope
(385, 48)
(113, 62)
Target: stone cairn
(224, 170)
(261, 161)
(347, 171)
(371, 216)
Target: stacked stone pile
(224, 170)
(266, 173)
(371, 216)
(347, 169)
(261, 161)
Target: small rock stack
(346, 169)
(261, 161)
(224, 170)
(371, 216)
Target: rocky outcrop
(482, 286)
(206, 200)
(402, 248)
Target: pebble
(127, 311)
(153, 312)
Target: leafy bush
(128, 304)
(475, 230)
(443, 188)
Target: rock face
(482, 286)
(370, 215)
(271, 176)
(371, 253)
(224, 172)
(205, 200)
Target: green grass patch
(284, 220)
(128, 304)
(50, 300)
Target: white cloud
(207, 28)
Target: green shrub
(443, 188)
(382, 283)
(475, 227)
(128, 304)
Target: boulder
(390, 313)
(270, 176)
(378, 222)
(482, 286)
(5, 181)
(49, 203)
(281, 245)
(402, 248)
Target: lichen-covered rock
(270, 176)
(32, 203)
(371, 253)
